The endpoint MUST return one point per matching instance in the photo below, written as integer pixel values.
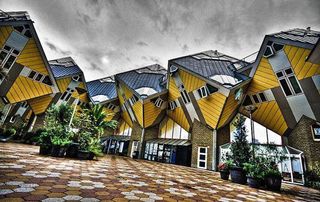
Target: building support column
(140, 145)
(214, 150)
(32, 123)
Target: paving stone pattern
(27, 176)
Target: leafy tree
(240, 148)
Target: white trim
(205, 160)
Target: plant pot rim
(236, 168)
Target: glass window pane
(9, 62)
(202, 150)
(247, 101)
(285, 87)
(260, 133)
(288, 71)
(262, 97)
(202, 164)
(255, 98)
(295, 84)
(39, 76)
(202, 157)
(274, 138)
(279, 74)
(3, 55)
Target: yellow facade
(230, 108)
(5, 31)
(150, 113)
(297, 57)
(40, 104)
(190, 81)
(25, 89)
(30, 57)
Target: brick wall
(201, 136)
(302, 138)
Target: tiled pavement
(26, 176)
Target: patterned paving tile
(27, 176)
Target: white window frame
(313, 132)
(206, 157)
(259, 98)
(24, 104)
(285, 77)
(111, 106)
(203, 91)
(13, 119)
(158, 103)
(172, 105)
(185, 97)
(9, 53)
(67, 93)
(25, 29)
(76, 78)
(133, 100)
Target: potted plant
(92, 123)
(44, 141)
(255, 173)
(224, 169)
(273, 178)
(59, 145)
(240, 152)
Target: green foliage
(240, 148)
(56, 128)
(225, 166)
(313, 176)
(256, 168)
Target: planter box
(72, 151)
(224, 174)
(58, 151)
(84, 155)
(273, 183)
(238, 175)
(45, 149)
(254, 182)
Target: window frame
(9, 53)
(313, 126)
(158, 103)
(285, 77)
(203, 91)
(185, 96)
(173, 105)
(200, 160)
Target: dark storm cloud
(142, 43)
(109, 36)
(57, 49)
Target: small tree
(240, 147)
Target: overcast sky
(107, 37)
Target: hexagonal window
(277, 47)
(268, 52)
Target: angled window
(24, 29)
(185, 97)
(288, 82)
(110, 106)
(47, 80)
(32, 74)
(8, 56)
(268, 52)
(173, 105)
(158, 102)
(316, 131)
(255, 98)
(39, 77)
(211, 89)
(76, 78)
(67, 94)
(262, 97)
(133, 99)
(203, 91)
(277, 47)
(247, 101)
(13, 119)
(24, 104)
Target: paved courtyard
(26, 176)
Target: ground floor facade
(27, 176)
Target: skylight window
(99, 98)
(146, 91)
(225, 80)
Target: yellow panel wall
(5, 31)
(24, 88)
(150, 113)
(63, 84)
(297, 57)
(138, 111)
(229, 109)
(30, 57)
(264, 78)
(40, 104)
(173, 90)
(211, 108)
(269, 115)
(190, 81)
(178, 116)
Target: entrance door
(202, 157)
